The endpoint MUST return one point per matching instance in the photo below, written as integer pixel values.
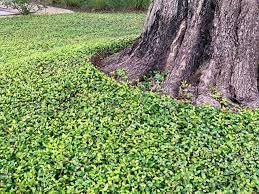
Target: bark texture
(213, 45)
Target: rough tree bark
(210, 44)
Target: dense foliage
(65, 126)
(105, 4)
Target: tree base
(209, 46)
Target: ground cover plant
(66, 127)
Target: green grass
(66, 127)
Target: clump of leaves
(152, 82)
(121, 75)
(225, 104)
(183, 91)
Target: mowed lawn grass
(66, 127)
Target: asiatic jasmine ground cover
(66, 127)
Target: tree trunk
(210, 44)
